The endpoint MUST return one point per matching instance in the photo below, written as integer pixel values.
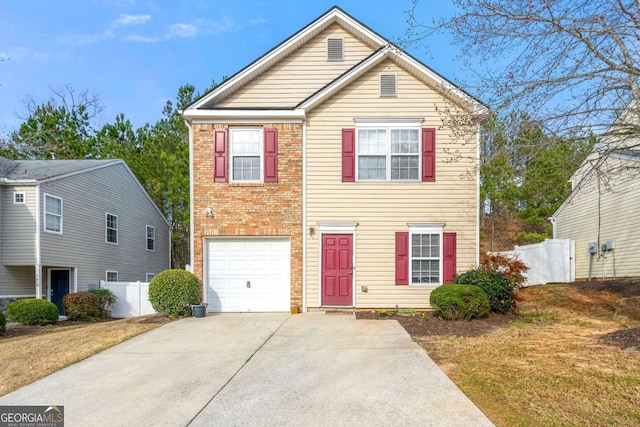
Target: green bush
(459, 302)
(82, 306)
(3, 324)
(107, 299)
(495, 284)
(33, 311)
(173, 292)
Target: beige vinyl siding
(86, 198)
(382, 209)
(19, 224)
(619, 200)
(300, 74)
(17, 281)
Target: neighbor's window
(388, 154)
(246, 154)
(425, 257)
(111, 276)
(52, 214)
(19, 198)
(150, 277)
(111, 228)
(151, 238)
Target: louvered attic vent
(388, 85)
(335, 50)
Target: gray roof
(46, 169)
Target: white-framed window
(387, 153)
(246, 154)
(149, 277)
(111, 276)
(111, 228)
(19, 198)
(335, 49)
(425, 253)
(52, 214)
(151, 238)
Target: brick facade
(241, 209)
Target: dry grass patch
(29, 357)
(550, 366)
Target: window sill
(247, 184)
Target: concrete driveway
(258, 370)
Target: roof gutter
(297, 113)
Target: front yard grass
(557, 363)
(30, 356)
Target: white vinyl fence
(552, 261)
(132, 298)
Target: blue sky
(135, 54)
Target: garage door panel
(264, 262)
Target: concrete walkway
(258, 370)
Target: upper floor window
(52, 214)
(19, 198)
(111, 228)
(388, 154)
(246, 154)
(335, 49)
(151, 238)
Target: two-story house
(336, 170)
(68, 224)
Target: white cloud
(130, 20)
(143, 39)
(182, 30)
(257, 21)
(87, 39)
(211, 27)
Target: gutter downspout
(191, 228)
(38, 265)
(304, 215)
(478, 195)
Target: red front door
(337, 272)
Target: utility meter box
(610, 245)
(593, 248)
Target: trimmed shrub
(173, 292)
(3, 324)
(107, 299)
(495, 284)
(33, 311)
(82, 306)
(459, 302)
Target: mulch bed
(434, 326)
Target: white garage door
(248, 274)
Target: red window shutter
(271, 155)
(449, 257)
(402, 258)
(220, 155)
(348, 155)
(428, 155)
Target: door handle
(248, 284)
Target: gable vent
(335, 51)
(388, 85)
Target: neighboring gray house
(67, 224)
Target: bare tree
(572, 65)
